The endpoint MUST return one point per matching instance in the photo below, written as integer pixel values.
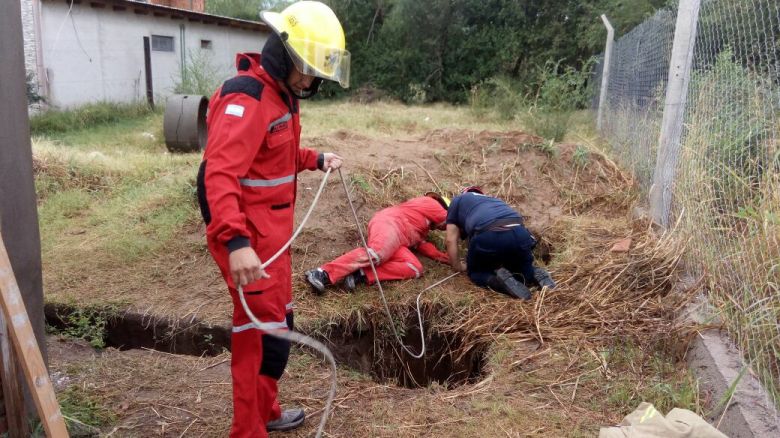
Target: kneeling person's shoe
(543, 278)
(511, 285)
(318, 279)
(352, 280)
(290, 419)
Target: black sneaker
(290, 419)
(352, 280)
(543, 278)
(511, 286)
(318, 279)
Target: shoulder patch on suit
(243, 84)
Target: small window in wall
(162, 43)
(205, 44)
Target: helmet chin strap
(308, 92)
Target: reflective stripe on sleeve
(249, 182)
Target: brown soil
(539, 376)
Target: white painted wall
(97, 54)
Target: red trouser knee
(401, 265)
(384, 239)
(258, 359)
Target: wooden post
(26, 348)
(18, 213)
(148, 71)
(13, 393)
(605, 70)
(674, 111)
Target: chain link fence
(726, 191)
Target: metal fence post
(674, 111)
(605, 70)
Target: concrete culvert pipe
(184, 123)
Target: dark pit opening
(449, 359)
(126, 331)
(371, 348)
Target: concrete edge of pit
(716, 362)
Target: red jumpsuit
(391, 232)
(246, 191)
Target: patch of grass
(552, 125)
(548, 148)
(648, 376)
(86, 323)
(77, 403)
(90, 115)
(388, 119)
(581, 156)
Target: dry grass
(560, 365)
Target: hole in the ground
(449, 359)
(125, 331)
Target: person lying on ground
(500, 248)
(392, 233)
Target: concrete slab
(717, 363)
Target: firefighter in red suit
(246, 190)
(392, 233)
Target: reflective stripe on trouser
(402, 265)
(384, 240)
(258, 360)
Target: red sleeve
(236, 130)
(308, 159)
(429, 250)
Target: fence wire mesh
(727, 184)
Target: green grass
(111, 193)
(77, 403)
(88, 116)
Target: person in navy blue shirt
(500, 248)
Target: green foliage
(440, 49)
(500, 94)
(199, 75)
(731, 124)
(581, 156)
(87, 324)
(563, 88)
(551, 125)
(90, 115)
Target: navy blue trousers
(511, 249)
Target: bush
(58, 121)
(199, 75)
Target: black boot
(318, 279)
(506, 283)
(352, 280)
(543, 278)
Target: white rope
(292, 336)
(379, 283)
(299, 338)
